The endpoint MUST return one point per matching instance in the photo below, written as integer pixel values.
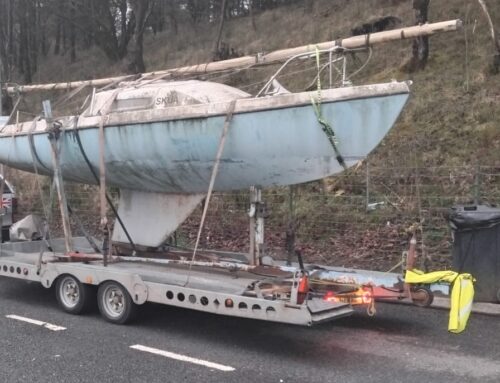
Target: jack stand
(54, 133)
(411, 259)
(257, 214)
(105, 245)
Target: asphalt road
(401, 344)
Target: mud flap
(322, 311)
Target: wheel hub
(115, 302)
(70, 293)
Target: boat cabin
(161, 95)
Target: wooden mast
(258, 59)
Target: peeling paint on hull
(265, 147)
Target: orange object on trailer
(303, 289)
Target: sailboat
(161, 137)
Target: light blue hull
(265, 148)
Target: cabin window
(131, 104)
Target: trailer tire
(115, 304)
(73, 296)
(428, 296)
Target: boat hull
(272, 147)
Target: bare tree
(7, 54)
(110, 22)
(141, 10)
(217, 45)
(496, 41)
(420, 45)
(24, 58)
(72, 35)
(197, 9)
(59, 27)
(251, 12)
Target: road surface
(40, 343)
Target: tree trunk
(252, 16)
(43, 38)
(24, 42)
(88, 35)
(217, 46)
(32, 26)
(64, 36)
(11, 48)
(72, 35)
(172, 11)
(141, 10)
(496, 41)
(4, 43)
(57, 44)
(124, 26)
(420, 45)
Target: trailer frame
(212, 289)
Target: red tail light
(327, 296)
(330, 297)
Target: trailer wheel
(73, 296)
(115, 303)
(422, 296)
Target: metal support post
(291, 227)
(54, 134)
(367, 185)
(477, 185)
(257, 215)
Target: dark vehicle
(7, 207)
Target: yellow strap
(462, 296)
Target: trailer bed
(240, 291)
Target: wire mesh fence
(361, 218)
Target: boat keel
(150, 218)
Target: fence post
(477, 185)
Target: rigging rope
(330, 134)
(227, 122)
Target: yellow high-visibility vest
(462, 294)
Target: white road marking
(49, 326)
(182, 358)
